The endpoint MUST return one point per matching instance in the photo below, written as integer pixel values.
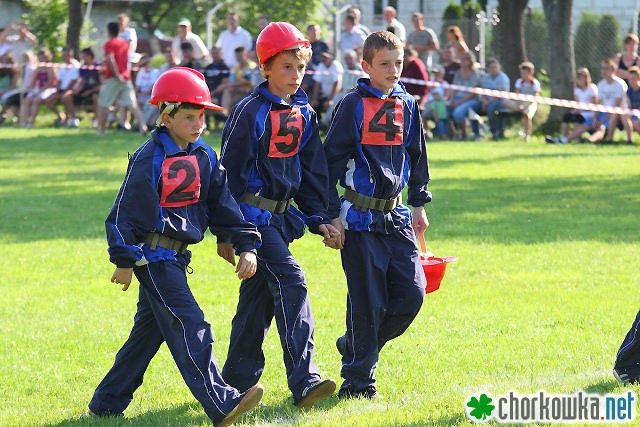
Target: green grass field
(543, 293)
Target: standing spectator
(188, 57)
(527, 84)
(42, 86)
(352, 37)
(85, 91)
(145, 78)
(450, 62)
(390, 20)
(456, 39)
(423, 39)
(68, 75)
(130, 35)
(355, 11)
(318, 46)
(460, 102)
(240, 82)
(231, 38)
(612, 91)
(494, 79)
(20, 43)
(352, 72)
(328, 82)
(414, 68)
(263, 21)
(628, 58)
(9, 74)
(186, 35)
(117, 85)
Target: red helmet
(276, 37)
(182, 84)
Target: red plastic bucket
(434, 267)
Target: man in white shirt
(231, 38)
(612, 91)
(18, 44)
(68, 74)
(352, 37)
(328, 82)
(390, 20)
(185, 34)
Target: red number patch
(180, 182)
(383, 121)
(286, 130)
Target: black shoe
(341, 344)
(250, 399)
(106, 414)
(314, 392)
(369, 392)
(549, 139)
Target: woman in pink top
(43, 85)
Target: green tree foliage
(585, 42)
(608, 34)
(48, 20)
(298, 12)
(537, 38)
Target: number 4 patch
(180, 181)
(383, 121)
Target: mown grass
(543, 293)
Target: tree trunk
(512, 33)
(75, 25)
(559, 17)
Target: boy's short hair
(186, 46)
(377, 41)
(526, 65)
(239, 49)
(351, 18)
(302, 53)
(88, 51)
(611, 63)
(634, 70)
(492, 61)
(182, 106)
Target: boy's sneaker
(249, 400)
(341, 344)
(314, 392)
(106, 414)
(370, 392)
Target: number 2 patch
(286, 130)
(180, 182)
(383, 121)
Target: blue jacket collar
(365, 84)
(161, 135)
(299, 98)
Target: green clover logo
(482, 408)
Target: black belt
(156, 240)
(273, 206)
(362, 202)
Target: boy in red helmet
(273, 154)
(175, 188)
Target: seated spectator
(494, 79)
(13, 100)
(582, 121)
(327, 83)
(240, 81)
(633, 95)
(170, 60)
(188, 58)
(68, 74)
(527, 84)
(435, 108)
(459, 101)
(41, 87)
(414, 68)
(612, 91)
(629, 58)
(9, 74)
(86, 89)
(352, 72)
(217, 76)
(146, 77)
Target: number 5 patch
(286, 129)
(383, 121)
(180, 182)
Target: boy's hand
(247, 265)
(226, 252)
(332, 237)
(337, 225)
(122, 276)
(420, 221)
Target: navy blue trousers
(167, 312)
(277, 289)
(386, 286)
(628, 357)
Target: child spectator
(188, 58)
(435, 108)
(374, 148)
(145, 78)
(68, 75)
(87, 87)
(582, 120)
(273, 154)
(633, 95)
(42, 86)
(527, 84)
(9, 74)
(144, 239)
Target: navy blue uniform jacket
(273, 149)
(376, 146)
(177, 193)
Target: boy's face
(606, 71)
(186, 126)
(285, 73)
(385, 69)
(633, 80)
(525, 74)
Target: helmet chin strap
(166, 108)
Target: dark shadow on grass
(602, 386)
